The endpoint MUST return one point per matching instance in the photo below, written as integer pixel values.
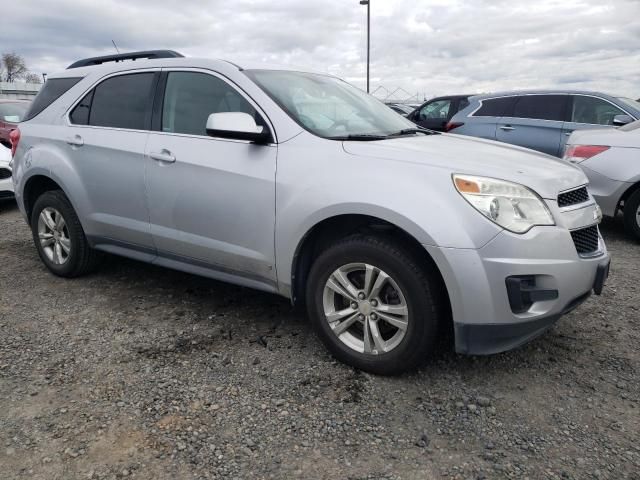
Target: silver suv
(302, 185)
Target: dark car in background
(541, 119)
(436, 113)
(11, 113)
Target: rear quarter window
(53, 89)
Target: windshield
(12, 112)
(327, 106)
(632, 103)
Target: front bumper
(485, 321)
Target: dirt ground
(141, 372)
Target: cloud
(431, 47)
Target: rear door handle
(75, 141)
(507, 128)
(568, 133)
(164, 156)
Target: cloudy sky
(429, 47)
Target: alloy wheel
(365, 308)
(54, 236)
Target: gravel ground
(141, 372)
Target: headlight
(510, 205)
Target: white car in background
(6, 184)
(611, 160)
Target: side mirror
(236, 126)
(620, 120)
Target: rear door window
(592, 110)
(53, 89)
(119, 102)
(496, 107)
(541, 107)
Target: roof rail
(150, 54)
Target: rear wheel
(373, 304)
(59, 237)
(632, 214)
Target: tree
(14, 66)
(32, 78)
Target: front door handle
(507, 128)
(164, 156)
(75, 141)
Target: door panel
(215, 203)
(540, 135)
(107, 144)
(111, 166)
(536, 123)
(212, 200)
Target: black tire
(81, 258)
(419, 285)
(631, 218)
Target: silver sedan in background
(611, 160)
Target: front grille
(586, 240)
(579, 195)
(5, 173)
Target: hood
(611, 137)
(544, 174)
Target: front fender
(317, 180)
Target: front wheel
(374, 305)
(632, 214)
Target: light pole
(367, 3)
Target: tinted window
(438, 109)
(12, 112)
(123, 102)
(541, 107)
(463, 103)
(496, 107)
(593, 110)
(49, 93)
(190, 98)
(80, 114)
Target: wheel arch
(628, 192)
(34, 187)
(330, 229)
(48, 168)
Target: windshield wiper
(360, 137)
(409, 131)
